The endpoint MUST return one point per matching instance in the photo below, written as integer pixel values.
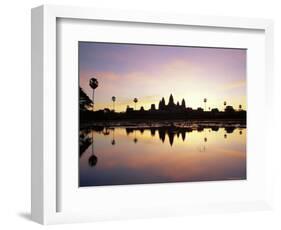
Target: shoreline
(194, 124)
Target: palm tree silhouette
(135, 101)
(240, 107)
(94, 84)
(224, 103)
(113, 99)
(205, 101)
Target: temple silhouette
(164, 111)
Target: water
(141, 155)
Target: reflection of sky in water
(140, 156)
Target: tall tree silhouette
(113, 100)
(224, 103)
(205, 102)
(135, 101)
(94, 84)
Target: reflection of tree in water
(202, 148)
(135, 138)
(229, 129)
(134, 130)
(113, 137)
(84, 141)
(200, 128)
(215, 128)
(105, 132)
(129, 130)
(97, 129)
(93, 159)
(141, 130)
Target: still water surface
(120, 155)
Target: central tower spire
(171, 101)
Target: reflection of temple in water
(168, 132)
(153, 131)
(171, 132)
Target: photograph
(156, 113)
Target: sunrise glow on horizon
(150, 72)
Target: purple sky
(151, 72)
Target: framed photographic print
(194, 136)
(139, 114)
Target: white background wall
(15, 113)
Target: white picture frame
(45, 162)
